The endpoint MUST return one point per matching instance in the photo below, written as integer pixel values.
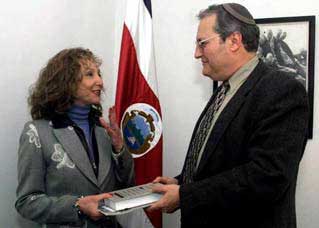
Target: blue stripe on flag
(148, 5)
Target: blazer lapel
(105, 150)
(197, 125)
(229, 113)
(73, 147)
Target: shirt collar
(242, 74)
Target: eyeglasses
(202, 43)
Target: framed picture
(288, 43)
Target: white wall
(32, 31)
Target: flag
(136, 101)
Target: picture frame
(288, 43)
(294, 52)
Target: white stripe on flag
(139, 23)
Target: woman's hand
(89, 204)
(113, 130)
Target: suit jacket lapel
(104, 149)
(229, 113)
(197, 124)
(73, 147)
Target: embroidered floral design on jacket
(60, 156)
(34, 136)
(36, 196)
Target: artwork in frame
(288, 44)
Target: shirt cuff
(117, 155)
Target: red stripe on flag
(131, 85)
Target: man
(242, 162)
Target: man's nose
(198, 52)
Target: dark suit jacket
(248, 171)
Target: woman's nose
(99, 80)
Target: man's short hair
(233, 17)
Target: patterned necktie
(201, 134)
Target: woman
(67, 161)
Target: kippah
(232, 11)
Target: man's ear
(235, 41)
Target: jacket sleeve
(32, 201)
(124, 168)
(274, 146)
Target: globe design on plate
(141, 127)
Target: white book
(134, 197)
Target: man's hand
(89, 204)
(165, 180)
(113, 130)
(169, 201)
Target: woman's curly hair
(54, 91)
